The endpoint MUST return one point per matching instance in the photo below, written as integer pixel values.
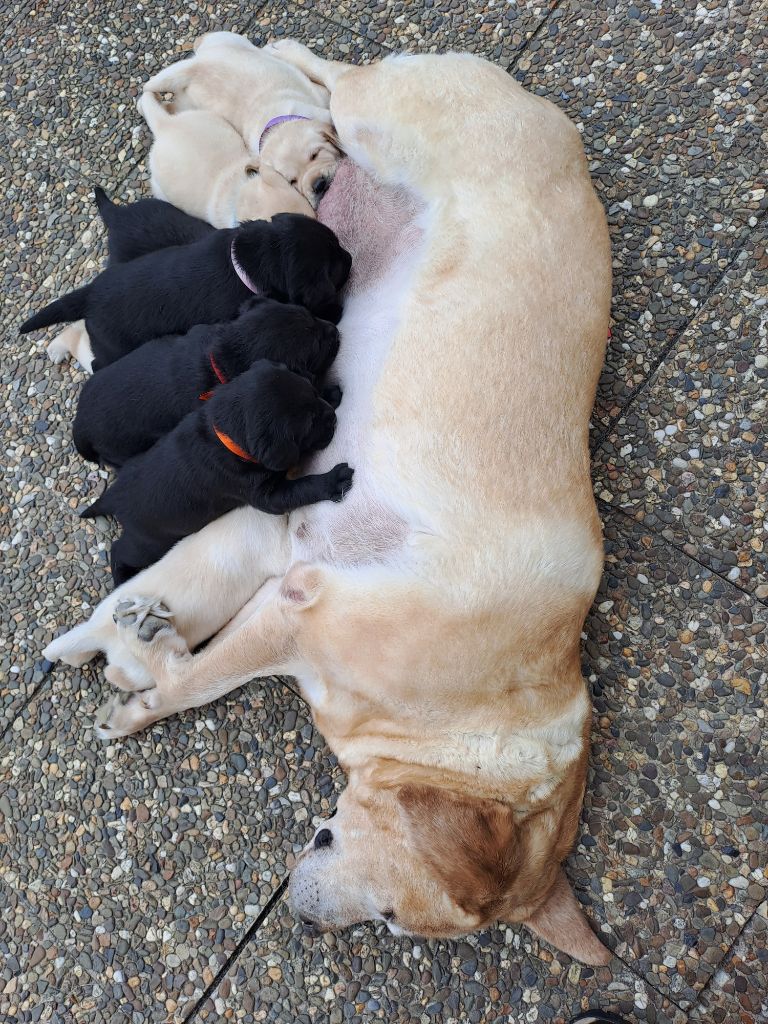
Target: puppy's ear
(468, 843)
(330, 136)
(279, 454)
(318, 294)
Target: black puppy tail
(104, 204)
(100, 507)
(64, 310)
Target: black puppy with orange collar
(234, 450)
(129, 405)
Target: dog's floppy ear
(469, 843)
(330, 136)
(317, 293)
(560, 921)
(280, 454)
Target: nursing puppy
(291, 258)
(305, 152)
(128, 406)
(232, 451)
(199, 163)
(255, 91)
(133, 230)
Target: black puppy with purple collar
(291, 258)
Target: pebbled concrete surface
(144, 881)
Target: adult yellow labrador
(433, 618)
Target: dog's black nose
(323, 838)
(320, 186)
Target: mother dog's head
(436, 863)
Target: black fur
(145, 226)
(126, 407)
(189, 478)
(291, 258)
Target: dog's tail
(153, 111)
(64, 310)
(171, 79)
(105, 206)
(101, 507)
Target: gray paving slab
(73, 73)
(54, 562)
(148, 859)
(365, 974)
(676, 809)
(689, 457)
(671, 101)
(496, 31)
(739, 990)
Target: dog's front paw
(332, 395)
(340, 481)
(126, 713)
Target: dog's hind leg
(262, 644)
(317, 69)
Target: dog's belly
(382, 228)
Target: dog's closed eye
(388, 915)
(314, 155)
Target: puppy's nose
(320, 186)
(323, 838)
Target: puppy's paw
(146, 628)
(58, 350)
(340, 481)
(126, 713)
(332, 395)
(133, 611)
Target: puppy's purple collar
(237, 267)
(275, 121)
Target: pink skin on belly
(379, 226)
(374, 222)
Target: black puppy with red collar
(234, 450)
(130, 404)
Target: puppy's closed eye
(315, 155)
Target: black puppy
(145, 226)
(126, 407)
(291, 258)
(232, 451)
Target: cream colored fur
(433, 618)
(200, 164)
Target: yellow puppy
(200, 164)
(257, 93)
